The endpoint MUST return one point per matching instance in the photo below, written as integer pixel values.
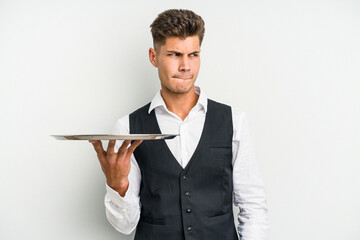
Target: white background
(74, 67)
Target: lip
(182, 78)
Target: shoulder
(239, 118)
(240, 124)
(216, 103)
(238, 114)
(218, 106)
(121, 126)
(142, 109)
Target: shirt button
(189, 229)
(188, 210)
(187, 194)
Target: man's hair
(180, 23)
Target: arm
(124, 212)
(249, 194)
(123, 179)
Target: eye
(174, 54)
(194, 54)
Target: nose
(184, 64)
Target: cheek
(169, 66)
(196, 65)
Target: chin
(179, 90)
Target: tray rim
(115, 137)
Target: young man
(183, 188)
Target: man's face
(178, 63)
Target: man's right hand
(116, 166)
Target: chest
(189, 130)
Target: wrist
(121, 186)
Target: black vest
(190, 203)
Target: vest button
(189, 229)
(187, 194)
(188, 210)
(185, 177)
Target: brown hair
(177, 23)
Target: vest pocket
(152, 220)
(219, 218)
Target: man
(183, 188)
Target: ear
(152, 57)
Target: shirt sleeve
(123, 213)
(249, 193)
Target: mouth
(182, 78)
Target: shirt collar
(158, 101)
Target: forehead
(188, 44)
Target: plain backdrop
(75, 67)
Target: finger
(111, 146)
(99, 149)
(124, 146)
(134, 145)
(97, 145)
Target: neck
(180, 104)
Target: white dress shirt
(124, 212)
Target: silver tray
(116, 137)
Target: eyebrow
(171, 51)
